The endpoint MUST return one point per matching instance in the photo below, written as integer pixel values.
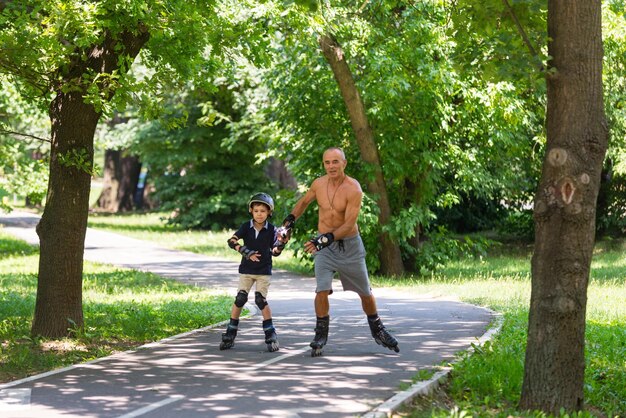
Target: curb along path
(188, 376)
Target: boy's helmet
(262, 198)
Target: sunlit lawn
(123, 309)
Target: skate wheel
(396, 349)
(272, 347)
(316, 352)
(226, 346)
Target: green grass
(123, 309)
(488, 382)
(484, 384)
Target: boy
(260, 244)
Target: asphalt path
(188, 376)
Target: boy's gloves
(246, 252)
(323, 240)
(278, 249)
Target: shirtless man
(338, 247)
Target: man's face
(334, 163)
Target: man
(338, 247)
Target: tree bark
(277, 171)
(63, 224)
(390, 257)
(62, 228)
(564, 210)
(121, 174)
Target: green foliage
(22, 175)
(518, 224)
(614, 80)
(491, 43)
(78, 159)
(611, 208)
(203, 175)
(370, 228)
(455, 97)
(409, 220)
(441, 247)
(471, 214)
(23, 157)
(442, 133)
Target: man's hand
(319, 242)
(248, 253)
(283, 232)
(289, 221)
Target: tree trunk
(63, 225)
(564, 211)
(121, 174)
(277, 171)
(390, 257)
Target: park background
(231, 98)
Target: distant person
(338, 248)
(260, 244)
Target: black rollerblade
(321, 336)
(382, 336)
(271, 339)
(228, 338)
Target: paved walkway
(188, 376)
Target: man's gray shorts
(346, 257)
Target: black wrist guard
(232, 242)
(278, 249)
(323, 240)
(289, 221)
(246, 252)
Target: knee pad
(241, 298)
(260, 301)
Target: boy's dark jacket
(262, 244)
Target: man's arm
(305, 200)
(284, 231)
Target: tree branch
(522, 32)
(4, 131)
(363, 6)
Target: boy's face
(259, 212)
